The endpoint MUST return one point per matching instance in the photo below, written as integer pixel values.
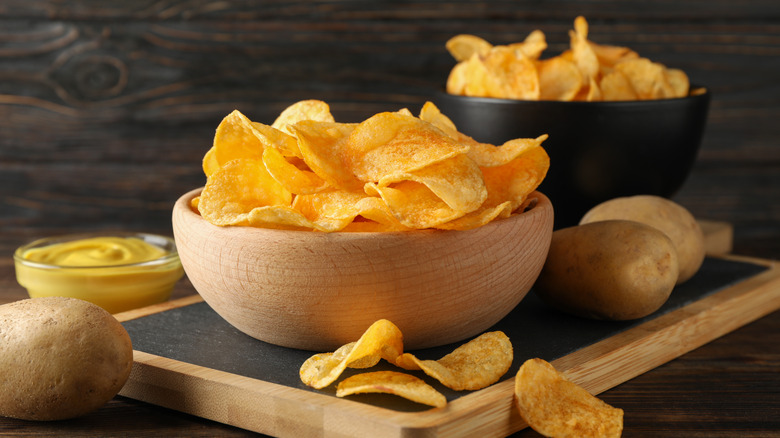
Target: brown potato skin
(666, 215)
(610, 270)
(60, 358)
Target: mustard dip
(117, 273)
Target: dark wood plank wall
(106, 107)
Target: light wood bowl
(317, 291)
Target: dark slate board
(195, 334)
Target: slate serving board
(188, 358)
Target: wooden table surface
(106, 109)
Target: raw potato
(666, 215)
(60, 358)
(614, 270)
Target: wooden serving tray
(189, 359)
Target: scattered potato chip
(517, 71)
(392, 382)
(391, 172)
(554, 406)
(474, 365)
(382, 340)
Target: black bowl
(598, 150)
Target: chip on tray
(391, 172)
(474, 365)
(556, 407)
(583, 72)
(392, 382)
(382, 340)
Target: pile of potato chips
(391, 172)
(474, 365)
(585, 72)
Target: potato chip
(279, 217)
(487, 155)
(393, 142)
(582, 52)
(615, 86)
(330, 210)
(609, 55)
(552, 405)
(315, 110)
(515, 180)
(647, 78)
(379, 216)
(238, 187)
(462, 47)
(382, 340)
(210, 162)
(457, 181)
(272, 137)
(323, 147)
(295, 180)
(559, 79)
(458, 79)
(392, 382)
(678, 81)
(236, 138)
(413, 204)
(510, 74)
(479, 217)
(474, 365)
(533, 45)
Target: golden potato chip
(315, 110)
(532, 46)
(323, 146)
(609, 55)
(458, 79)
(487, 155)
(393, 142)
(210, 163)
(474, 365)
(559, 79)
(457, 181)
(479, 217)
(238, 187)
(391, 382)
(554, 406)
(279, 217)
(272, 137)
(295, 180)
(236, 138)
(582, 52)
(678, 81)
(510, 75)
(647, 78)
(329, 210)
(477, 77)
(462, 47)
(414, 204)
(615, 86)
(432, 114)
(378, 213)
(382, 340)
(515, 180)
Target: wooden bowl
(317, 291)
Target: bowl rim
(165, 242)
(183, 204)
(704, 95)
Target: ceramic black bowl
(598, 150)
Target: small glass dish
(117, 286)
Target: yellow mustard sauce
(116, 273)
